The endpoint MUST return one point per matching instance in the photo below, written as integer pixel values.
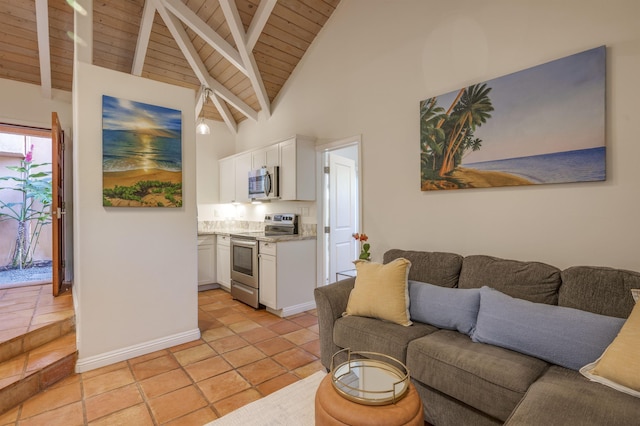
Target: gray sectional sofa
(467, 382)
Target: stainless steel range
(245, 282)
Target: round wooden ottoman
(333, 409)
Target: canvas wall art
(141, 154)
(542, 125)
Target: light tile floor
(24, 309)
(242, 356)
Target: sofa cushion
(564, 397)
(600, 290)
(533, 281)
(619, 365)
(436, 268)
(448, 308)
(381, 291)
(485, 377)
(373, 335)
(568, 337)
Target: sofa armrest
(331, 302)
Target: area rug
(290, 406)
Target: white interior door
(343, 201)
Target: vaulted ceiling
(242, 50)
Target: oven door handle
(244, 243)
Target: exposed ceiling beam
(232, 99)
(199, 101)
(191, 55)
(224, 112)
(208, 34)
(234, 22)
(219, 104)
(144, 34)
(259, 21)
(44, 52)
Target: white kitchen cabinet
(242, 166)
(227, 182)
(287, 276)
(298, 169)
(268, 274)
(223, 261)
(296, 157)
(234, 178)
(206, 260)
(265, 157)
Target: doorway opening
(341, 207)
(25, 200)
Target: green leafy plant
(32, 211)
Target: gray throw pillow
(444, 307)
(564, 336)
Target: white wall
(136, 268)
(23, 104)
(376, 59)
(209, 148)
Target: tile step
(35, 338)
(33, 370)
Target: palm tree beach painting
(141, 154)
(542, 125)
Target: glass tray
(376, 379)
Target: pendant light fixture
(202, 128)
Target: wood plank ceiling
(242, 50)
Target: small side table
(333, 409)
(349, 273)
(366, 392)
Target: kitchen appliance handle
(267, 184)
(245, 243)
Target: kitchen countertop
(269, 239)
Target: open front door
(57, 205)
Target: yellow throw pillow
(381, 291)
(619, 365)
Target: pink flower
(29, 156)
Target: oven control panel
(281, 219)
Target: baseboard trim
(100, 360)
(292, 310)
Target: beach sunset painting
(542, 125)
(141, 154)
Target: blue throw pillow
(444, 307)
(563, 336)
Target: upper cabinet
(234, 178)
(265, 157)
(296, 157)
(298, 169)
(243, 167)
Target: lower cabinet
(223, 261)
(287, 275)
(268, 274)
(206, 260)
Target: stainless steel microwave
(264, 183)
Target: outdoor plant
(364, 246)
(32, 209)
